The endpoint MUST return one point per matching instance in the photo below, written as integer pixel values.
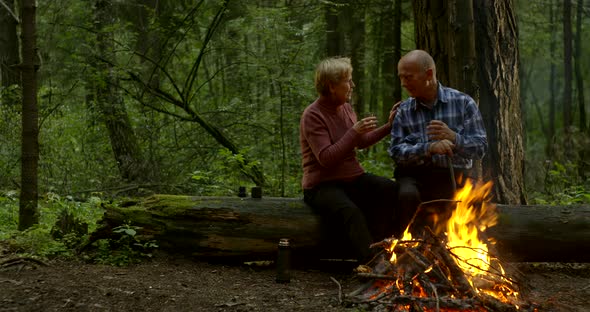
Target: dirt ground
(170, 283)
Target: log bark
(249, 228)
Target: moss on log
(246, 228)
(249, 228)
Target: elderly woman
(355, 203)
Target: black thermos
(284, 261)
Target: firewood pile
(426, 275)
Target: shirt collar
(441, 96)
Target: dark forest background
(195, 97)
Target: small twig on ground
(21, 260)
(378, 276)
(339, 289)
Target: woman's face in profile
(342, 91)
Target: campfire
(443, 264)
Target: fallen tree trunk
(249, 229)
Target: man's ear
(429, 73)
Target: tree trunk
(497, 39)
(123, 140)
(462, 58)
(376, 30)
(247, 228)
(148, 18)
(397, 49)
(549, 148)
(28, 210)
(432, 34)
(355, 28)
(392, 90)
(446, 31)
(334, 38)
(9, 57)
(567, 70)
(583, 163)
(578, 66)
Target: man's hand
(441, 147)
(438, 130)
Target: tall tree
(583, 165)
(334, 37)
(495, 35)
(462, 56)
(143, 14)
(28, 210)
(431, 24)
(497, 42)
(445, 29)
(392, 44)
(355, 14)
(567, 66)
(9, 56)
(110, 103)
(552, 75)
(578, 66)
(397, 48)
(345, 35)
(379, 28)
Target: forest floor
(170, 283)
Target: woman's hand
(365, 125)
(393, 111)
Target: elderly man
(437, 127)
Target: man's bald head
(422, 59)
(417, 73)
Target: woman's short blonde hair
(333, 70)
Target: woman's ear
(330, 87)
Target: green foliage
(377, 162)
(8, 213)
(252, 83)
(556, 170)
(563, 186)
(88, 211)
(10, 134)
(129, 248)
(222, 177)
(38, 240)
(41, 241)
(563, 177)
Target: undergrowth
(64, 231)
(562, 185)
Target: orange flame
(473, 214)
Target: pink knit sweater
(329, 143)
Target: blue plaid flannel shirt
(409, 142)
